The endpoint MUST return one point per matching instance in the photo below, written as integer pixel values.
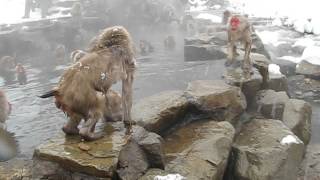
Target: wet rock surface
(158, 112)
(199, 150)
(278, 82)
(217, 98)
(266, 149)
(297, 117)
(99, 161)
(271, 104)
(203, 52)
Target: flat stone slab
(98, 158)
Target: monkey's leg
(247, 66)
(230, 58)
(87, 131)
(127, 98)
(71, 127)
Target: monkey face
(234, 22)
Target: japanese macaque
(83, 87)
(60, 53)
(145, 47)
(7, 68)
(226, 16)
(21, 74)
(5, 109)
(76, 55)
(169, 43)
(239, 29)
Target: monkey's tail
(49, 94)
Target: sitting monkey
(5, 109)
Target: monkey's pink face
(234, 22)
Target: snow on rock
(213, 18)
(291, 58)
(274, 69)
(289, 139)
(269, 37)
(170, 177)
(305, 42)
(311, 52)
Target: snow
(311, 52)
(291, 58)
(304, 42)
(170, 177)
(274, 69)
(290, 139)
(213, 18)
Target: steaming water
(35, 121)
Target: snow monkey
(82, 92)
(5, 109)
(239, 29)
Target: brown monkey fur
(109, 60)
(5, 108)
(239, 29)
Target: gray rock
(297, 116)
(287, 67)
(258, 46)
(151, 143)
(249, 86)
(200, 150)
(133, 162)
(203, 52)
(278, 82)
(159, 112)
(216, 98)
(261, 152)
(271, 104)
(308, 69)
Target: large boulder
(216, 98)
(159, 112)
(297, 116)
(98, 158)
(203, 52)
(271, 104)
(308, 69)
(278, 82)
(199, 150)
(266, 150)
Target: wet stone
(217, 99)
(159, 112)
(271, 104)
(99, 161)
(266, 149)
(278, 82)
(199, 150)
(308, 69)
(203, 52)
(297, 116)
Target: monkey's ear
(49, 94)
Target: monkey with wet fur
(109, 60)
(5, 109)
(239, 30)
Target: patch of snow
(277, 22)
(304, 42)
(103, 76)
(311, 52)
(274, 69)
(170, 177)
(217, 6)
(291, 58)
(269, 37)
(289, 139)
(213, 18)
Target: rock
(159, 112)
(271, 104)
(249, 86)
(200, 150)
(152, 173)
(261, 63)
(297, 116)
(151, 143)
(99, 161)
(287, 67)
(216, 98)
(258, 47)
(308, 69)
(133, 162)
(218, 38)
(278, 82)
(266, 149)
(203, 52)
